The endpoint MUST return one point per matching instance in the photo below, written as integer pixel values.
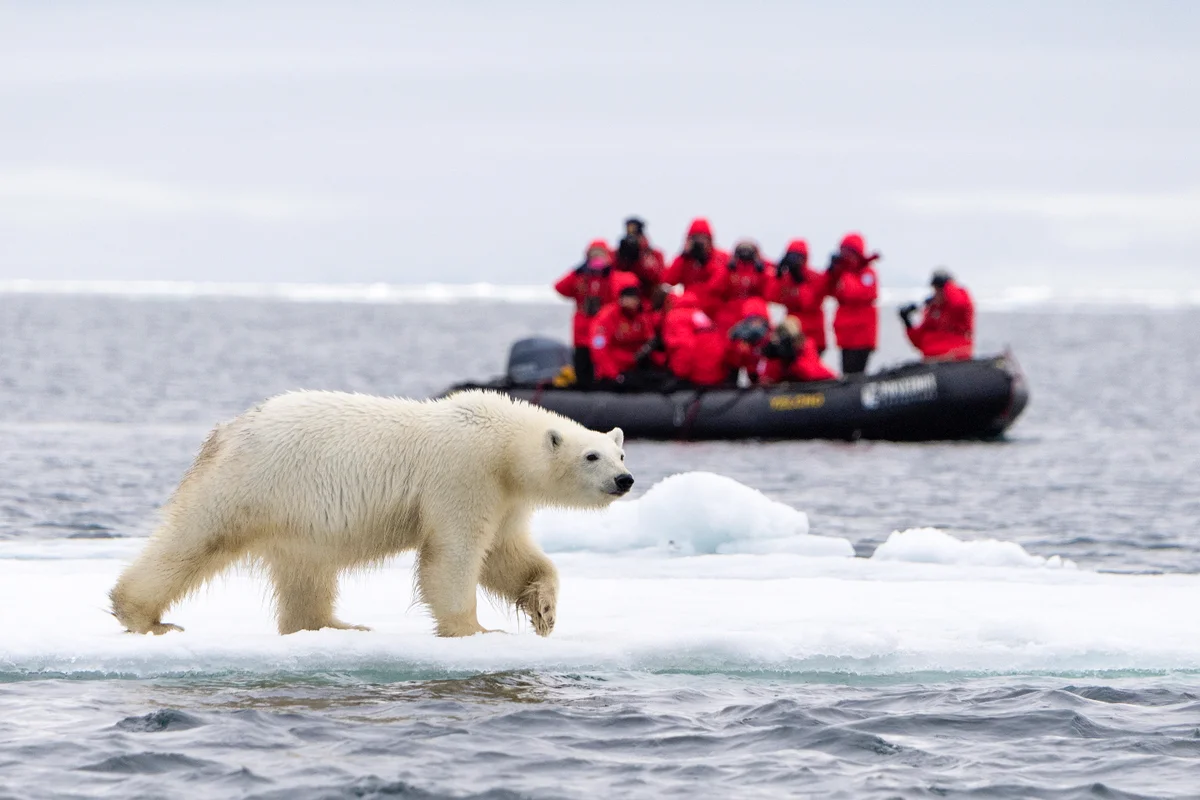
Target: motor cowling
(536, 360)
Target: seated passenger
(802, 291)
(789, 355)
(590, 286)
(747, 337)
(748, 275)
(947, 329)
(620, 333)
(636, 256)
(700, 261)
(694, 347)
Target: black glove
(906, 313)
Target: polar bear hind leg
(175, 562)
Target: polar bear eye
(622, 456)
(593, 457)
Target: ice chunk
(933, 546)
(691, 513)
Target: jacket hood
(854, 243)
(797, 246)
(755, 307)
(624, 280)
(598, 244)
(700, 226)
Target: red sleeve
(674, 273)
(567, 286)
(652, 267)
(823, 282)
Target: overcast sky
(1019, 143)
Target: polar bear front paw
(539, 601)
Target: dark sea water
(104, 401)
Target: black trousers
(855, 361)
(584, 377)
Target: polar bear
(313, 483)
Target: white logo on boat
(899, 392)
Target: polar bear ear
(553, 439)
(618, 436)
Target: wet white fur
(313, 483)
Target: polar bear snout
(623, 483)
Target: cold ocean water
(1012, 619)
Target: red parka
(687, 272)
(741, 354)
(591, 287)
(695, 348)
(947, 329)
(807, 366)
(856, 287)
(730, 288)
(648, 265)
(803, 299)
(617, 335)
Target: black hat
(641, 226)
(941, 276)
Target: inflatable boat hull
(977, 399)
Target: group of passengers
(704, 319)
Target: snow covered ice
(700, 574)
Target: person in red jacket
(695, 348)
(748, 275)
(636, 256)
(747, 338)
(700, 261)
(621, 334)
(802, 291)
(590, 286)
(852, 281)
(947, 329)
(789, 355)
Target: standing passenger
(853, 283)
(635, 255)
(802, 290)
(590, 286)
(696, 267)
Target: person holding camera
(747, 275)
(802, 291)
(789, 355)
(590, 286)
(747, 338)
(947, 328)
(699, 263)
(622, 334)
(853, 282)
(636, 256)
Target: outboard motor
(536, 360)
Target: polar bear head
(587, 468)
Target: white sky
(1019, 143)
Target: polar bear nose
(624, 482)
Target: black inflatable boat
(923, 401)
